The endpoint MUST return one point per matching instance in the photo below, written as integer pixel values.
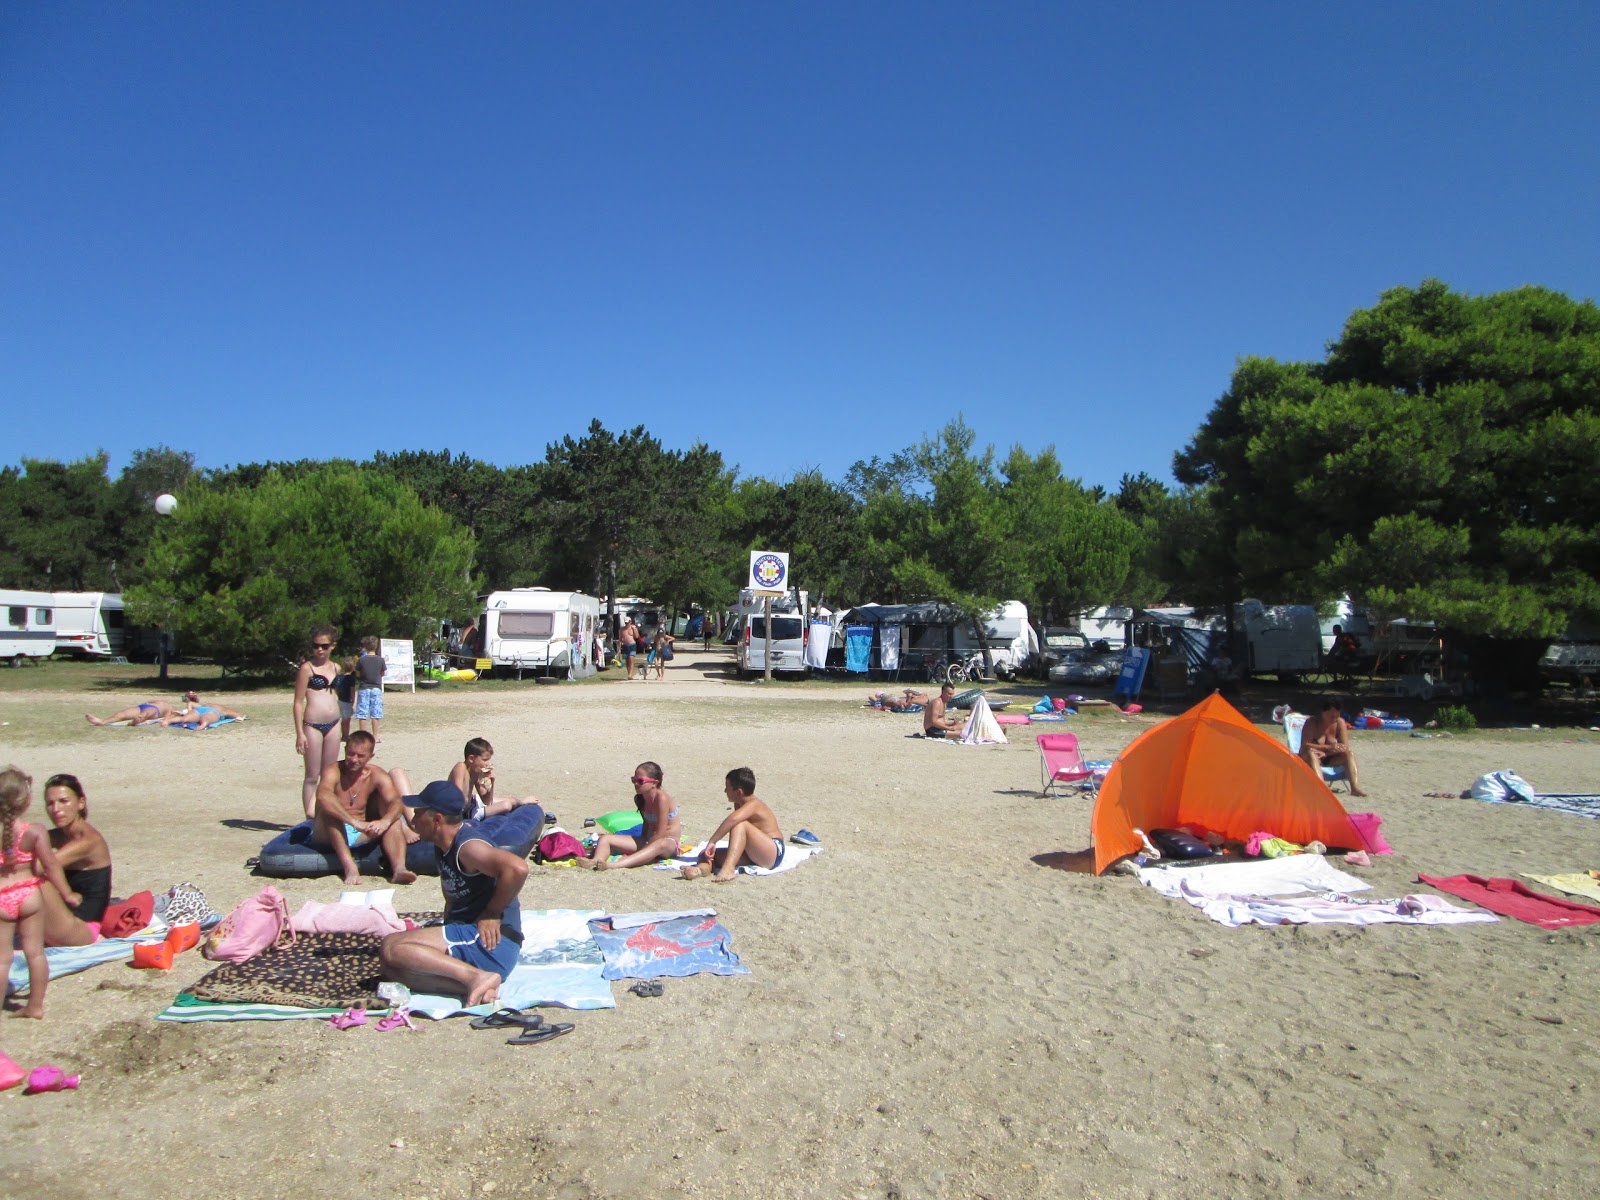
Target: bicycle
(965, 670)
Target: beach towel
(194, 725)
(1576, 803)
(559, 964)
(69, 960)
(981, 728)
(1574, 883)
(671, 949)
(1513, 899)
(857, 648)
(793, 856)
(1301, 890)
(1289, 876)
(187, 1009)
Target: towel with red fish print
(665, 945)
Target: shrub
(1457, 717)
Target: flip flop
(543, 1034)
(648, 987)
(509, 1018)
(349, 1018)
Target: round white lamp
(166, 504)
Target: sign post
(399, 663)
(769, 577)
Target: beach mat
(69, 960)
(670, 949)
(1573, 883)
(1512, 899)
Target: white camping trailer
(535, 629)
(27, 625)
(1013, 644)
(91, 624)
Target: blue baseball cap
(441, 796)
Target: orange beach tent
(1212, 766)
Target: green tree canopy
(242, 574)
(1439, 464)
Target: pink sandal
(397, 1018)
(49, 1079)
(349, 1018)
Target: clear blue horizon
(804, 236)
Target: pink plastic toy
(49, 1079)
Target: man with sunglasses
(659, 837)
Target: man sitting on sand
(477, 946)
(751, 829)
(357, 804)
(658, 838)
(146, 713)
(1325, 741)
(936, 723)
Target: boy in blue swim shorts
(477, 946)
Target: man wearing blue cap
(477, 946)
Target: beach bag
(666, 654)
(1503, 787)
(559, 845)
(257, 924)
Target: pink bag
(257, 924)
(316, 917)
(556, 846)
(1366, 827)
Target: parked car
(1073, 658)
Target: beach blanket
(1574, 883)
(187, 1008)
(1302, 889)
(202, 728)
(560, 965)
(793, 856)
(69, 960)
(1513, 899)
(667, 949)
(324, 973)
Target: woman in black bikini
(316, 712)
(82, 852)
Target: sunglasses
(642, 779)
(322, 645)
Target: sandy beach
(933, 1010)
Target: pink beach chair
(1060, 762)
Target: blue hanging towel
(857, 648)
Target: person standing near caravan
(629, 639)
(369, 689)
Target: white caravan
(535, 629)
(27, 625)
(1279, 639)
(91, 624)
(1012, 641)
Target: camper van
(1013, 644)
(27, 626)
(91, 624)
(788, 633)
(535, 629)
(1279, 639)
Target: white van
(27, 625)
(535, 629)
(91, 624)
(788, 633)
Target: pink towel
(1512, 899)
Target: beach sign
(769, 572)
(399, 663)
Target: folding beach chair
(1060, 762)
(1294, 725)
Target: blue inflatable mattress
(291, 855)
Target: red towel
(126, 917)
(1512, 899)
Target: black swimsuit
(94, 885)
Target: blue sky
(803, 234)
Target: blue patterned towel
(668, 950)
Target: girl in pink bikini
(26, 862)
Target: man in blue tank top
(477, 946)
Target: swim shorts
(369, 704)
